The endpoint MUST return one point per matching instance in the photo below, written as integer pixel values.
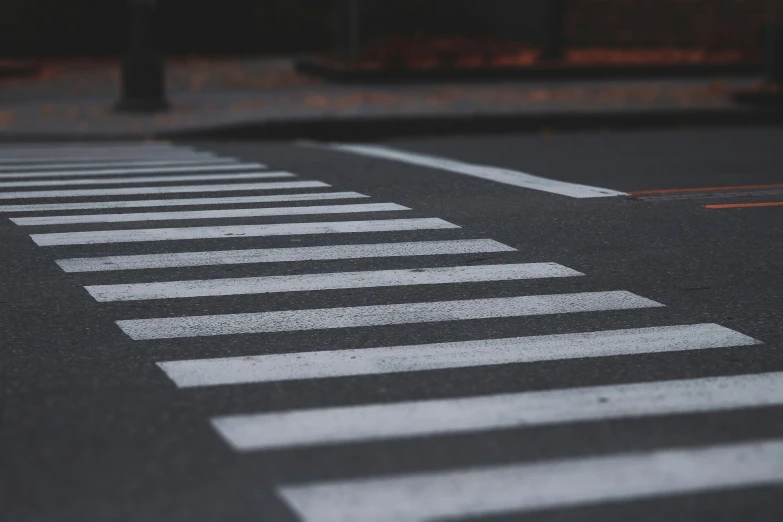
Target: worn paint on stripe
(132, 170)
(704, 189)
(406, 313)
(147, 179)
(209, 214)
(205, 160)
(182, 202)
(747, 205)
(314, 427)
(238, 231)
(327, 281)
(234, 187)
(524, 487)
(440, 356)
(277, 255)
(496, 174)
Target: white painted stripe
(85, 148)
(209, 214)
(238, 231)
(277, 255)
(311, 427)
(440, 356)
(181, 202)
(206, 160)
(97, 157)
(146, 179)
(88, 144)
(133, 170)
(327, 281)
(476, 492)
(497, 174)
(406, 313)
(235, 187)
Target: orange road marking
(745, 205)
(705, 189)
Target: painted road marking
(209, 214)
(328, 281)
(278, 255)
(98, 157)
(552, 484)
(747, 205)
(497, 174)
(281, 229)
(358, 316)
(704, 189)
(368, 423)
(205, 160)
(134, 170)
(146, 179)
(181, 202)
(234, 187)
(440, 356)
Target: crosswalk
(83, 219)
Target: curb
(370, 128)
(332, 71)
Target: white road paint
(134, 170)
(209, 214)
(406, 313)
(278, 255)
(238, 231)
(518, 488)
(497, 174)
(101, 157)
(183, 202)
(440, 356)
(182, 189)
(205, 160)
(368, 423)
(146, 179)
(327, 281)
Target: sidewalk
(265, 98)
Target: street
(546, 327)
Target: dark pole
(773, 44)
(143, 82)
(347, 27)
(554, 39)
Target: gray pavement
(266, 98)
(93, 429)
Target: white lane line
(426, 497)
(238, 231)
(234, 187)
(406, 313)
(181, 202)
(146, 179)
(314, 427)
(134, 170)
(440, 356)
(277, 255)
(327, 281)
(209, 214)
(497, 174)
(206, 160)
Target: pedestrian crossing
(417, 495)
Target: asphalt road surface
(571, 327)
